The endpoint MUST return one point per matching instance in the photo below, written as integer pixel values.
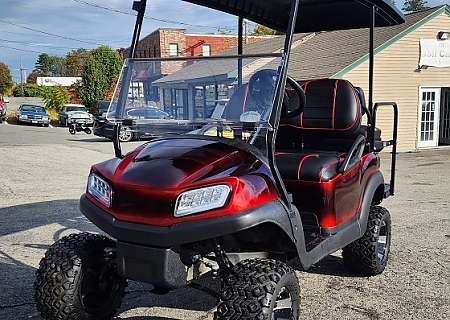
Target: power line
(147, 17)
(43, 35)
(3, 46)
(48, 33)
(38, 44)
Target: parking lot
(43, 174)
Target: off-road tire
(72, 130)
(368, 256)
(78, 279)
(252, 289)
(88, 131)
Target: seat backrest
(332, 111)
(332, 107)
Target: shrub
(55, 97)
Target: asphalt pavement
(43, 174)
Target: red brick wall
(188, 44)
(217, 43)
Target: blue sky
(31, 27)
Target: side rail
(379, 145)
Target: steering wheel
(300, 93)
(261, 87)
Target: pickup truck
(3, 103)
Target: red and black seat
(326, 138)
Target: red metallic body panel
(334, 201)
(147, 181)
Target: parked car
(104, 125)
(75, 113)
(100, 107)
(33, 114)
(3, 108)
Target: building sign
(434, 53)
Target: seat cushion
(311, 166)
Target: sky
(56, 27)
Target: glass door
(445, 117)
(428, 128)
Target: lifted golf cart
(290, 171)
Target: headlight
(100, 189)
(202, 199)
(22, 116)
(45, 118)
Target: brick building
(167, 42)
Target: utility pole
(21, 75)
(246, 22)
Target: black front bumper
(152, 253)
(185, 232)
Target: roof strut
(240, 41)
(138, 6)
(371, 63)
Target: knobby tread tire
(57, 287)
(360, 256)
(251, 288)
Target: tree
(43, 65)
(102, 67)
(261, 30)
(32, 77)
(75, 61)
(5, 78)
(51, 66)
(414, 5)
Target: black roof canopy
(313, 15)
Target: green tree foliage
(55, 97)
(29, 90)
(5, 78)
(261, 30)
(414, 5)
(101, 69)
(51, 66)
(43, 65)
(75, 61)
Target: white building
(57, 81)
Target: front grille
(33, 117)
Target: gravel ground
(41, 184)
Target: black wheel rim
(125, 134)
(282, 309)
(99, 286)
(383, 242)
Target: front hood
(147, 181)
(174, 163)
(78, 114)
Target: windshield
(33, 108)
(68, 109)
(201, 96)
